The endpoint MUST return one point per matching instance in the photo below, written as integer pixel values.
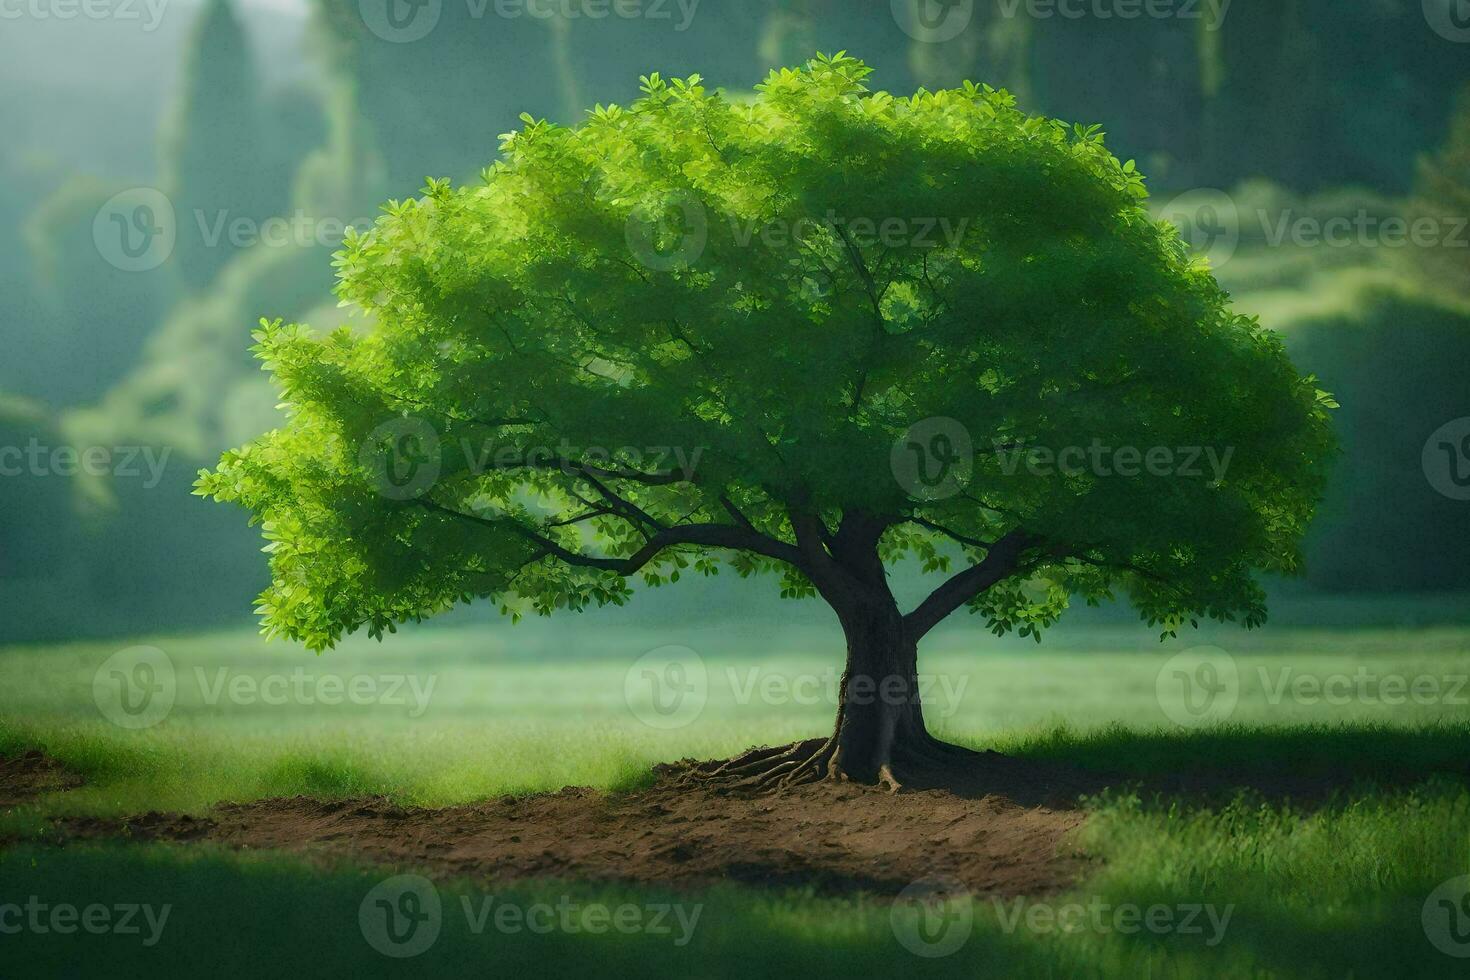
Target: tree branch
(855, 258)
(587, 516)
(953, 535)
(707, 535)
(627, 508)
(546, 461)
(1003, 558)
(736, 513)
(462, 419)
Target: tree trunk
(879, 736)
(880, 720)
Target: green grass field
(1307, 890)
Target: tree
(216, 160)
(1443, 193)
(530, 325)
(1445, 176)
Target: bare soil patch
(26, 776)
(1004, 828)
(998, 825)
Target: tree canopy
(698, 331)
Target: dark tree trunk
(880, 717)
(879, 736)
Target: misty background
(171, 172)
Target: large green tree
(817, 297)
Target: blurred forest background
(246, 109)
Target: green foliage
(531, 325)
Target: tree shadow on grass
(248, 915)
(1306, 765)
(1245, 933)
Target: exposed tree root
(814, 760)
(888, 780)
(765, 767)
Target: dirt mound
(829, 836)
(24, 777)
